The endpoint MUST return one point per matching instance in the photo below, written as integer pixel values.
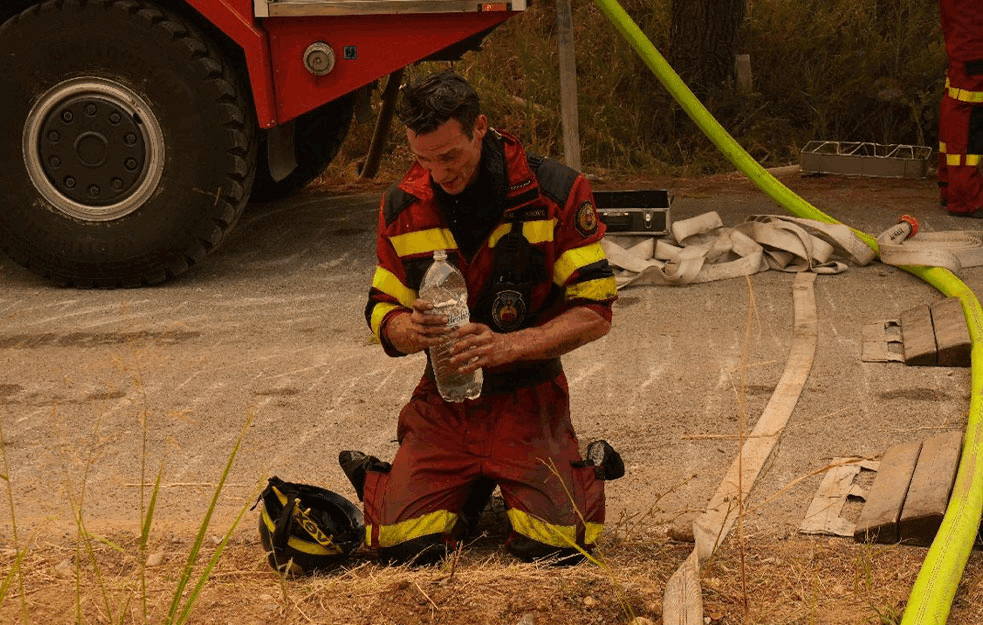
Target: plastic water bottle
(444, 287)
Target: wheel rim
(93, 149)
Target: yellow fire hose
(931, 597)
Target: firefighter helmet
(305, 528)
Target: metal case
(644, 212)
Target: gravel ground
(271, 326)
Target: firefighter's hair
(437, 98)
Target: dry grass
(794, 581)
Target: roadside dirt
(270, 329)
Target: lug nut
(67, 117)
(54, 161)
(70, 182)
(94, 190)
(117, 183)
(131, 164)
(90, 109)
(54, 136)
(115, 118)
(130, 138)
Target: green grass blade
(200, 537)
(14, 571)
(148, 518)
(206, 573)
(105, 541)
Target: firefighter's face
(448, 154)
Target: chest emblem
(586, 221)
(508, 310)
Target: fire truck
(134, 132)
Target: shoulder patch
(555, 179)
(586, 219)
(396, 202)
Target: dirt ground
(270, 329)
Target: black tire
(204, 122)
(318, 138)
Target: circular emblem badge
(508, 310)
(586, 219)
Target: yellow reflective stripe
(423, 241)
(942, 147)
(968, 160)
(537, 231)
(600, 289)
(963, 95)
(438, 522)
(572, 260)
(541, 531)
(387, 282)
(293, 542)
(592, 532)
(379, 312)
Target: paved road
(271, 326)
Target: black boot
(355, 464)
(607, 462)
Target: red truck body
(378, 44)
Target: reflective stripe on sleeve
(423, 241)
(539, 530)
(387, 282)
(437, 522)
(572, 260)
(963, 95)
(600, 289)
(379, 312)
(538, 231)
(967, 160)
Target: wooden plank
(931, 484)
(823, 516)
(879, 517)
(951, 333)
(882, 342)
(919, 337)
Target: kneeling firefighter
(524, 233)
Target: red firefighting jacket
(553, 206)
(962, 26)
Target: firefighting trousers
(522, 440)
(961, 147)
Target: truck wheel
(124, 158)
(318, 135)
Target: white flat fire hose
(702, 249)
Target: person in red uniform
(524, 233)
(961, 111)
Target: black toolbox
(635, 212)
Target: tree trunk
(703, 41)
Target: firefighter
(524, 232)
(961, 111)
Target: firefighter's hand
(479, 346)
(418, 330)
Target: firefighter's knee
(420, 551)
(529, 550)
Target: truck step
(304, 8)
